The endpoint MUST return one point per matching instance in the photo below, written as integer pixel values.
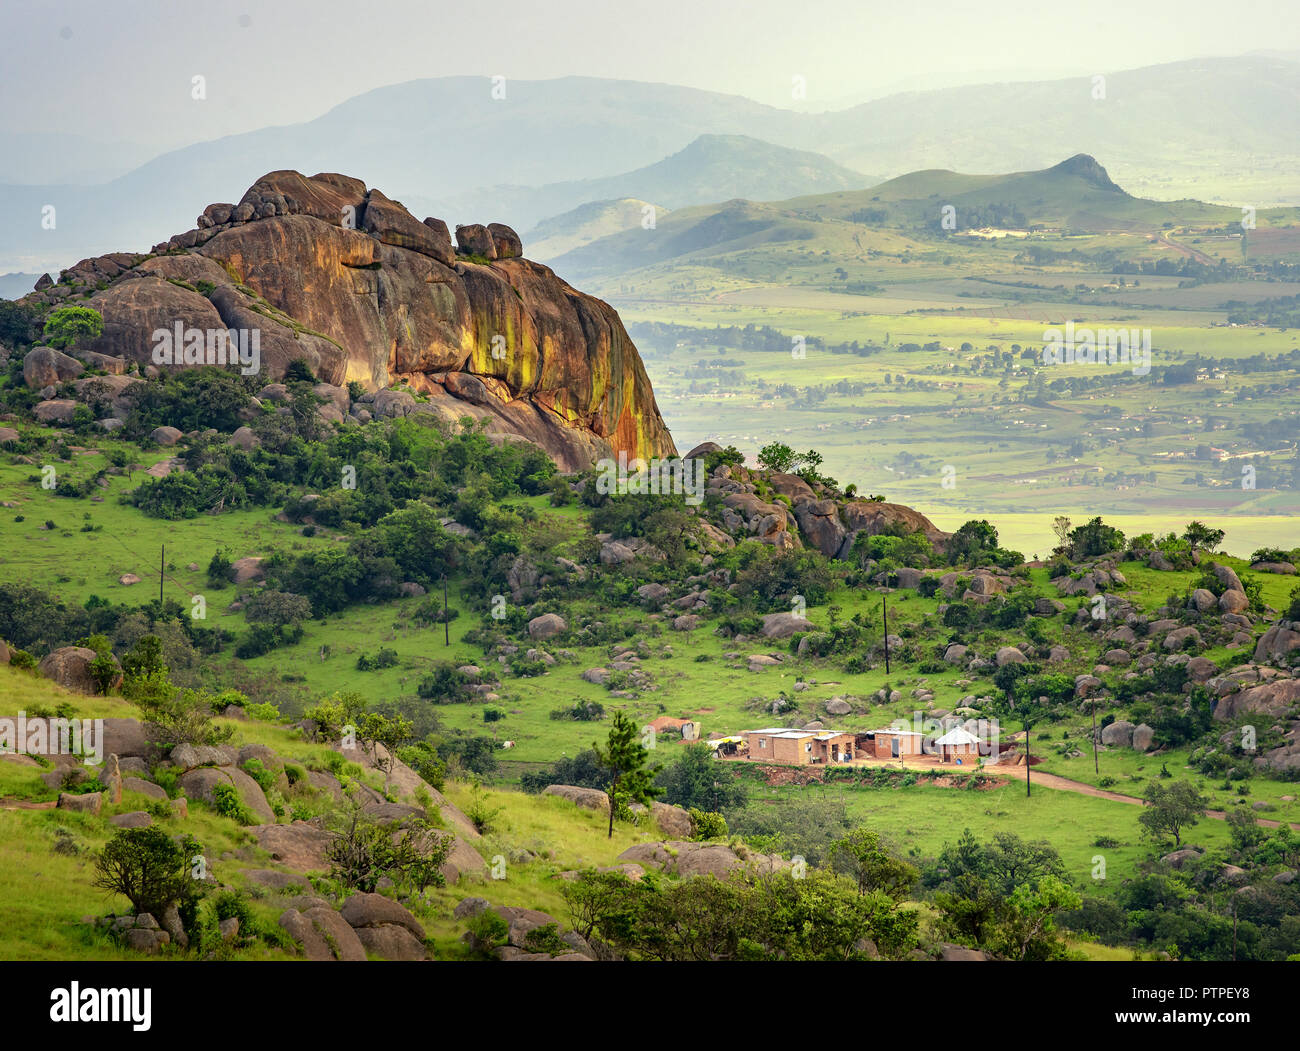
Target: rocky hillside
(350, 282)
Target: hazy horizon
(269, 65)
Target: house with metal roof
(957, 745)
(800, 747)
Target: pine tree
(625, 757)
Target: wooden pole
(1026, 759)
(1096, 769)
(884, 612)
(162, 566)
(446, 623)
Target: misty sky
(123, 70)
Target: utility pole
(1026, 758)
(1095, 768)
(446, 622)
(884, 612)
(162, 566)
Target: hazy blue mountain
(1228, 124)
(1077, 193)
(710, 168)
(15, 286)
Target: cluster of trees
(343, 479)
(744, 917)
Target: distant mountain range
(15, 286)
(1222, 128)
(1076, 194)
(711, 168)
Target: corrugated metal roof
(958, 735)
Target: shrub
(182, 717)
(385, 658)
(546, 938)
(227, 802)
(706, 825)
(219, 570)
(149, 868)
(487, 932)
(581, 712)
(22, 659)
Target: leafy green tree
(331, 714)
(631, 779)
(1095, 538)
(175, 716)
(68, 326)
(1171, 809)
(380, 736)
(17, 324)
(415, 539)
(360, 850)
(145, 657)
(583, 770)
(972, 539)
(1245, 830)
(104, 669)
(1026, 929)
(864, 856)
(804, 824)
(777, 456)
(696, 779)
(149, 868)
(276, 608)
(1199, 535)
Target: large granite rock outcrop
(348, 280)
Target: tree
(1244, 830)
(1197, 534)
(360, 851)
(149, 868)
(1095, 538)
(1027, 928)
(175, 716)
(777, 456)
(380, 737)
(415, 539)
(973, 539)
(17, 323)
(68, 326)
(1171, 809)
(1061, 526)
(696, 779)
(630, 779)
(276, 608)
(862, 854)
(419, 855)
(583, 770)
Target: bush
(181, 717)
(22, 659)
(487, 932)
(385, 658)
(581, 712)
(226, 801)
(705, 825)
(149, 868)
(219, 570)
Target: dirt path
(1064, 784)
(9, 803)
(1183, 249)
